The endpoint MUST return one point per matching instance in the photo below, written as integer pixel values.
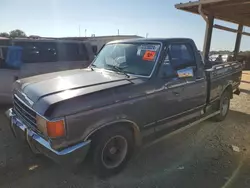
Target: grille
(24, 113)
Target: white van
(39, 57)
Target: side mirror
(186, 72)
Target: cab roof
(157, 40)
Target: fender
(136, 130)
(230, 87)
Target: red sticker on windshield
(149, 55)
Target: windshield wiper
(118, 69)
(91, 66)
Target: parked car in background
(38, 57)
(134, 90)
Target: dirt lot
(201, 156)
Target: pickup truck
(133, 90)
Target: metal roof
(236, 11)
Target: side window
(181, 56)
(178, 57)
(5, 42)
(94, 48)
(31, 51)
(37, 52)
(73, 52)
(48, 51)
(83, 53)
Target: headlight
(41, 124)
(53, 129)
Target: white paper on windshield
(147, 47)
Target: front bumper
(68, 156)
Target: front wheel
(112, 149)
(224, 106)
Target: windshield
(133, 58)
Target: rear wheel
(112, 149)
(224, 106)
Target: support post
(208, 36)
(238, 41)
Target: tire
(112, 148)
(224, 106)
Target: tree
(17, 33)
(4, 34)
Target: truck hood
(45, 85)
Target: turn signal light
(55, 129)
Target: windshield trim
(130, 42)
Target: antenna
(79, 28)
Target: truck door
(168, 101)
(183, 97)
(193, 96)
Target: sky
(158, 18)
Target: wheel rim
(224, 106)
(114, 151)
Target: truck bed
(220, 76)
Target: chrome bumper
(73, 154)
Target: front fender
(119, 122)
(80, 126)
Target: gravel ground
(201, 156)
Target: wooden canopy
(235, 11)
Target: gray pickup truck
(133, 90)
